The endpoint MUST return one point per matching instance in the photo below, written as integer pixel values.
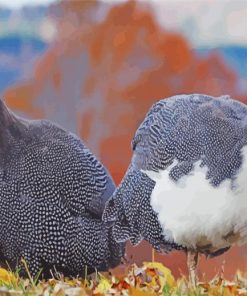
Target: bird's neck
(11, 127)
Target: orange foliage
(106, 75)
(21, 98)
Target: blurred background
(96, 67)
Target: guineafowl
(186, 186)
(52, 195)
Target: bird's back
(53, 192)
(192, 128)
(48, 161)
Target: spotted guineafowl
(52, 195)
(186, 185)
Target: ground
(152, 278)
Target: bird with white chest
(186, 187)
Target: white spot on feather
(192, 211)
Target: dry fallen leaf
(165, 276)
(103, 286)
(7, 277)
(152, 278)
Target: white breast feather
(192, 211)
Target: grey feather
(185, 129)
(53, 192)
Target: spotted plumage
(186, 185)
(53, 192)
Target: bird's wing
(91, 184)
(130, 207)
(151, 150)
(70, 169)
(189, 129)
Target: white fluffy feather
(194, 213)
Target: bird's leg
(192, 259)
(153, 255)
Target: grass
(152, 278)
